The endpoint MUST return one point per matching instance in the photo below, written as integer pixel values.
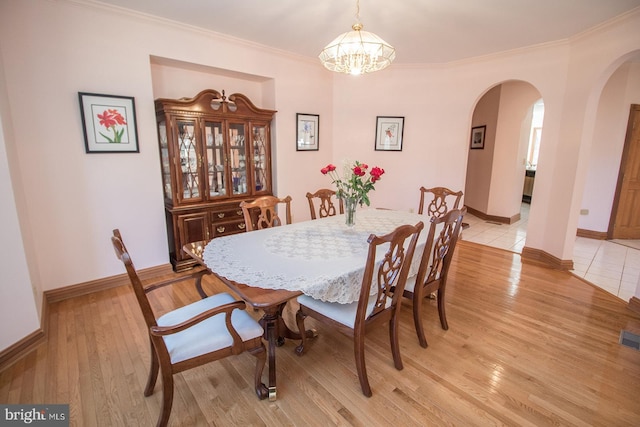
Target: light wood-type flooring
(613, 265)
(526, 346)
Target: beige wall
(512, 137)
(480, 161)
(18, 301)
(621, 90)
(70, 201)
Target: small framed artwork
(109, 123)
(477, 137)
(308, 132)
(389, 131)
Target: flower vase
(350, 211)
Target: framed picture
(477, 137)
(389, 132)
(308, 132)
(109, 123)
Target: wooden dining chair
(263, 212)
(326, 206)
(193, 335)
(442, 199)
(436, 258)
(388, 279)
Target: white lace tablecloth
(323, 258)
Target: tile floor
(610, 266)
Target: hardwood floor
(526, 346)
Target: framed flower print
(307, 132)
(389, 132)
(109, 123)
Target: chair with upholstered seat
(436, 258)
(387, 280)
(263, 212)
(441, 201)
(195, 334)
(326, 205)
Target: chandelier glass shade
(357, 52)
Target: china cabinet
(215, 152)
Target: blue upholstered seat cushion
(210, 334)
(343, 313)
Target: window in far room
(535, 135)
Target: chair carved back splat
(267, 214)
(326, 205)
(438, 205)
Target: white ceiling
(422, 31)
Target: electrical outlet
(584, 211)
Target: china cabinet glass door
(215, 158)
(164, 159)
(238, 158)
(260, 166)
(190, 161)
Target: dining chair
(326, 206)
(436, 258)
(387, 278)
(438, 205)
(262, 212)
(192, 335)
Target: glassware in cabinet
(165, 163)
(238, 157)
(260, 168)
(190, 160)
(215, 158)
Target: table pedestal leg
(275, 332)
(270, 332)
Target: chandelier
(357, 52)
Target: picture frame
(108, 123)
(307, 132)
(389, 133)
(477, 137)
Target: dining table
(323, 258)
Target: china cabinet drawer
(227, 214)
(226, 228)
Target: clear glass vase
(350, 211)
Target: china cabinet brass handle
(221, 215)
(241, 226)
(220, 229)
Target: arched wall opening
(496, 171)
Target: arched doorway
(496, 172)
